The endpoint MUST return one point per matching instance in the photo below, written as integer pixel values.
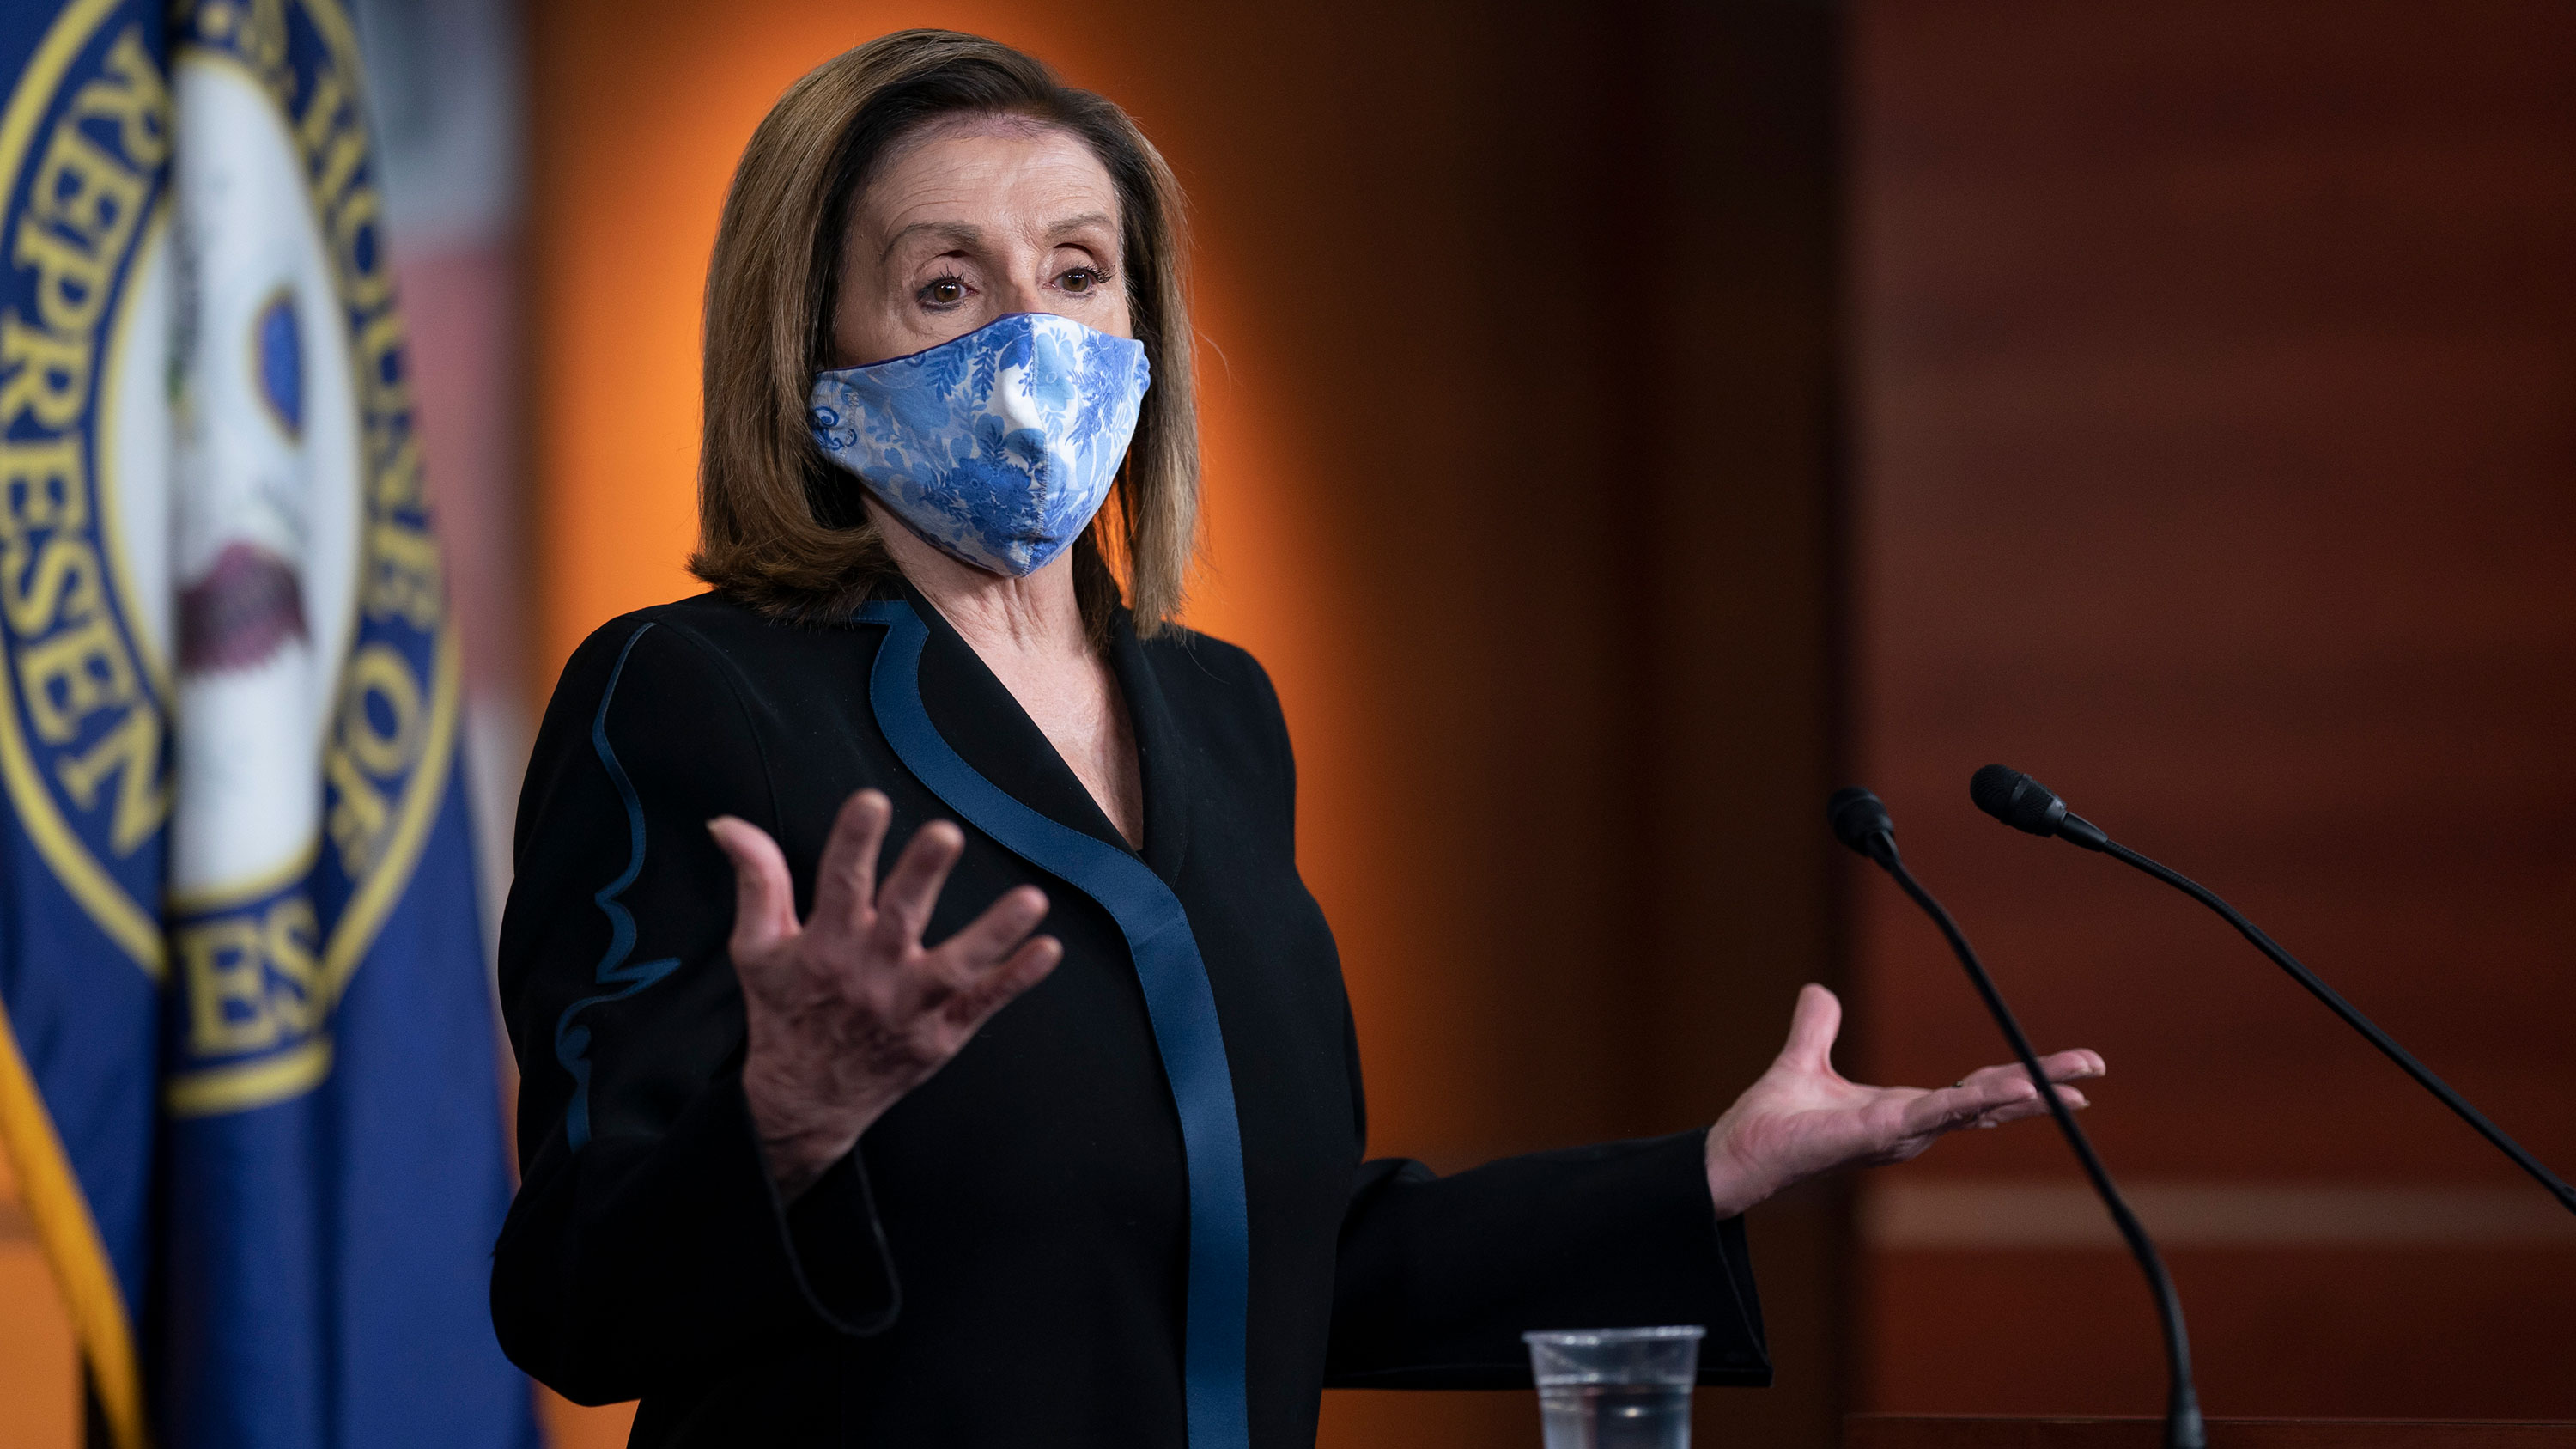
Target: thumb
(1812, 1029)
(764, 900)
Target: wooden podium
(1960, 1431)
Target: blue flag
(247, 1067)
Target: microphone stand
(1862, 823)
(2003, 796)
(2352, 1017)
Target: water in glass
(1616, 1416)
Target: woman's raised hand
(1803, 1119)
(847, 1011)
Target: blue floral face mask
(997, 446)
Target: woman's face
(972, 220)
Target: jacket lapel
(984, 724)
(1162, 751)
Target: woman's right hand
(847, 1011)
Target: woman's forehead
(1005, 171)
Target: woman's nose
(1024, 294)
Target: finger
(992, 935)
(845, 884)
(1948, 1110)
(904, 902)
(1984, 1101)
(2076, 1065)
(2069, 1066)
(2032, 1107)
(1027, 966)
(1980, 1094)
(764, 899)
(1812, 1028)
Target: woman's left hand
(1802, 1119)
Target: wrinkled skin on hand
(846, 1011)
(1802, 1118)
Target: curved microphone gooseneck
(1861, 822)
(2027, 805)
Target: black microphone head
(1857, 816)
(2017, 800)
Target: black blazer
(1001, 1261)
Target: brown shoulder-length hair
(780, 525)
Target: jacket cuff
(829, 1241)
(1737, 1352)
(1708, 1258)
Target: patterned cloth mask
(997, 446)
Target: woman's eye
(1079, 280)
(946, 292)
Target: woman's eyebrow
(955, 233)
(1077, 223)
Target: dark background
(2217, 379)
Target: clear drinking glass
(1615, 1388)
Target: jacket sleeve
(1439, 1277)
(647, 1247)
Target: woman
(1088, 1169)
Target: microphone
(2025, 804)
(1861, 822)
